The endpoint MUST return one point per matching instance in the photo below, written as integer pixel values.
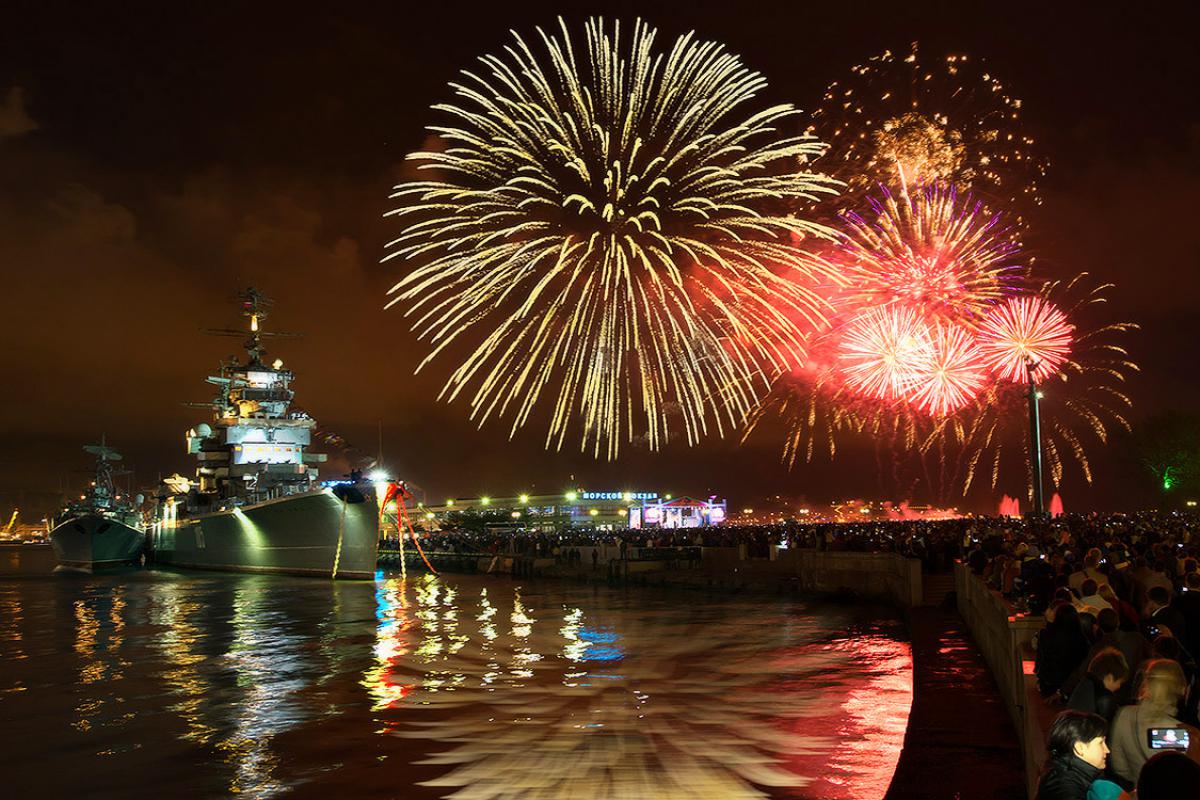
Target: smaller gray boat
(102, 528)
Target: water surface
(163, 684)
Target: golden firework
(901, 120)
(606, 232)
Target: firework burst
(930, 250)
(885, 352)
(605, 233)
(1023, 333)
(901, 120)
(954, 374)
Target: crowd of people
(1006, 540)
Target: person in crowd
(1160, 614)
(1187, 603)
(1077, 752)
(1089, 595)
(1161, 689)
(977, 560)
(1131, 644)
(1037, 579)
(1096, 694)
(1061, 646)
(1126, 613)
(1090, 571)
(1148, 574)
(1170, 775)
(1167, 646)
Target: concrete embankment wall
(884, 576)
(1004, 638)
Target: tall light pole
(1035, 439)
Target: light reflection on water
(465, 687)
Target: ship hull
(94, 541)
(315, 534)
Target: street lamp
(1035, 439)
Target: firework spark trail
(609, 227)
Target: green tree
(1168, 445)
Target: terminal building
(582, 508)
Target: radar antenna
(256, 306)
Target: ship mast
(256, 307)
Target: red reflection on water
(857, 743)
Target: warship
(102, 528)
(256, 504)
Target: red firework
(1024, 330)
(955, 372)
(930, 249)
(885, 352)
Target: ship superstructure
(256, 503)
(103, 527)
(255, 448)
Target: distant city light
(516, 515)
(487, 501)
(524, 499)
(594, 511)
(450, 502)
(572, 496)
(377, 476)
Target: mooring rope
(337, 556)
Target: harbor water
(152, 683)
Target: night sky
(154, 160)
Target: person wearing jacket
(1162, 688)
(1077, 752)
(1061, 646)
(1097, 692)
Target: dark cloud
(14, 117)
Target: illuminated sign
(619, 495)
